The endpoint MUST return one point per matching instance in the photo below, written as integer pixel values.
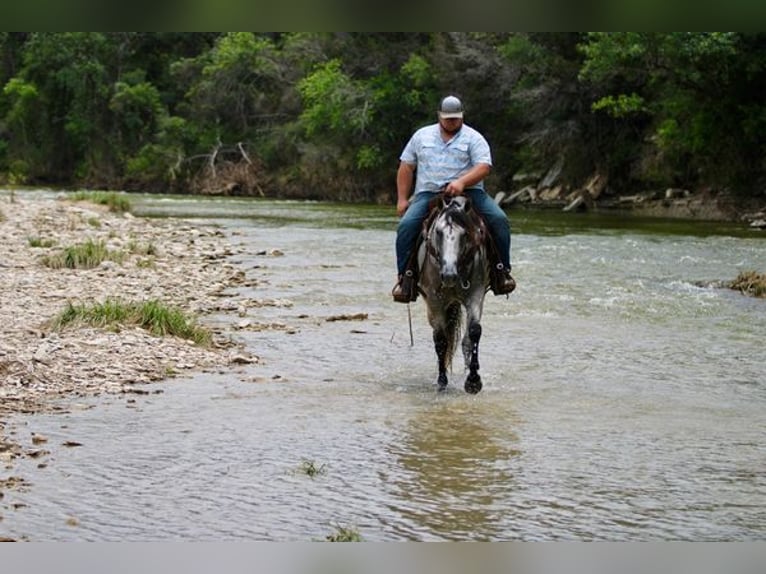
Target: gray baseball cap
(451, 107)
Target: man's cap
(451, 107)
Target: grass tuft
(344, 534)
(310, 468)
(142, 248)
(82, 256)
(116, 202)
(40, 242)
(154, 316)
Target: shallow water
(621, 400)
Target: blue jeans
(411, 225)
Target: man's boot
(406, 289)
(501, 281)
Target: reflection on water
(621, 400)
(452, 472)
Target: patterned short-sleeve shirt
(440, 162)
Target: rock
(240, 359)
(676, 193)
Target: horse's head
(450, 237)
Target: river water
(624, 398)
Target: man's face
(451, 125)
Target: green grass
(154, 316)
(750, 283)
(142, 248)
(82, 256)
(116, 202)
(310, 468)
(344, 534)
(148, 263)
(40, 242)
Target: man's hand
(454, 188)
(401, 206)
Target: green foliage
(417, 72)
(334, 104)
(22, 95)
(238, 82)
(621, 105)
(154, 316)
(694, 89)
(326, 114)
(137, 110)
(161, 163)
(368, 157)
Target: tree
(698, 97)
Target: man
(452, 157)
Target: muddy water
(622, 401)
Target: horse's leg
(440, 344)
(471, 352)
(474, 307)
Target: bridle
(474, 231)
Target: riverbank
(672, 203)
(180, 264)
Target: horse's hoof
(473, 384)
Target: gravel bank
(173, 261)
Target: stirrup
(405, 290)
(502, 285)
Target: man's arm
(405, 177)
(470, 178)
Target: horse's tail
(453, 330)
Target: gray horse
(455, 274)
